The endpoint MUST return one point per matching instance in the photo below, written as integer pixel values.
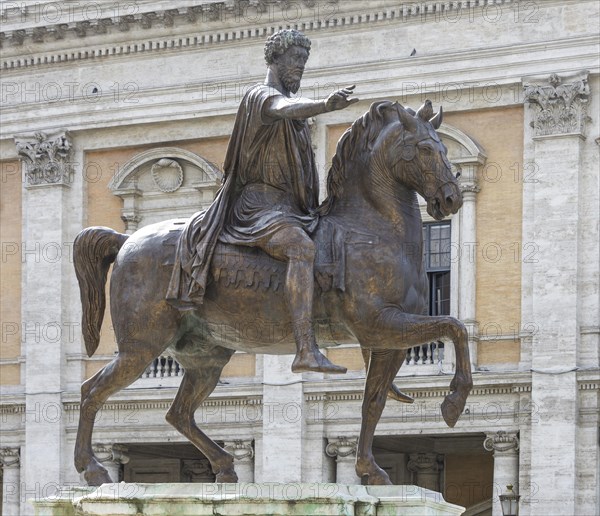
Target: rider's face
(290, 67)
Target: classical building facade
(118, 114)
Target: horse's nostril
(449, 201)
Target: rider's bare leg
(295, 247)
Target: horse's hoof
(379, 478)
(452, 408)
(96, 475)
(374, 475)
(228, 476)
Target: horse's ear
(436, 121)
(425, 112)
(408, 121)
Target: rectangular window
(436, 258)
(436, 255)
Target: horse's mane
(358, 137)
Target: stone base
(246, 499)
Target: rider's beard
(290, 78)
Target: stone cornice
(210, 23)
(491, 384)
(483, 387)
(132, 405)
(43, 22)
(181, 102)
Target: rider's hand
(339, 99)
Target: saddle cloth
(250, 267)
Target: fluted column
(111, 457)
(243, 456)
(426, 468)
(344, 451)
(11, 480)
(505, 446)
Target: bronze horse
(372, 290)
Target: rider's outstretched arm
(302, 108)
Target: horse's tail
(94, 250)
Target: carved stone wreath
(167, 175)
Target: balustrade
(163, 367)
(426, 354)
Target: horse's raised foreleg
(199, 380)
(118, 374)
(396, 329)
(383, 366)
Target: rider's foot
(314, 360)
(396, 394)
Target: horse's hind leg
(125, 368)
(383, 366)
(199, 380)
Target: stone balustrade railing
(163, 367)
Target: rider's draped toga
(270, 183)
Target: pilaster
(47, 328)
(343, 450)
(282, 444)
(505, 446)
(558, 109)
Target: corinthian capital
(559, 102)
(47, 157)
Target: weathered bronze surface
(370, 285)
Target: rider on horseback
(269, 195)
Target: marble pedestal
(246, 499)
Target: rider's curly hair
(281, 40)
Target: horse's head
(413, 153)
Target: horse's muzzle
(453, 199)
(448, 199)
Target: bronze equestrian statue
(370, 285)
